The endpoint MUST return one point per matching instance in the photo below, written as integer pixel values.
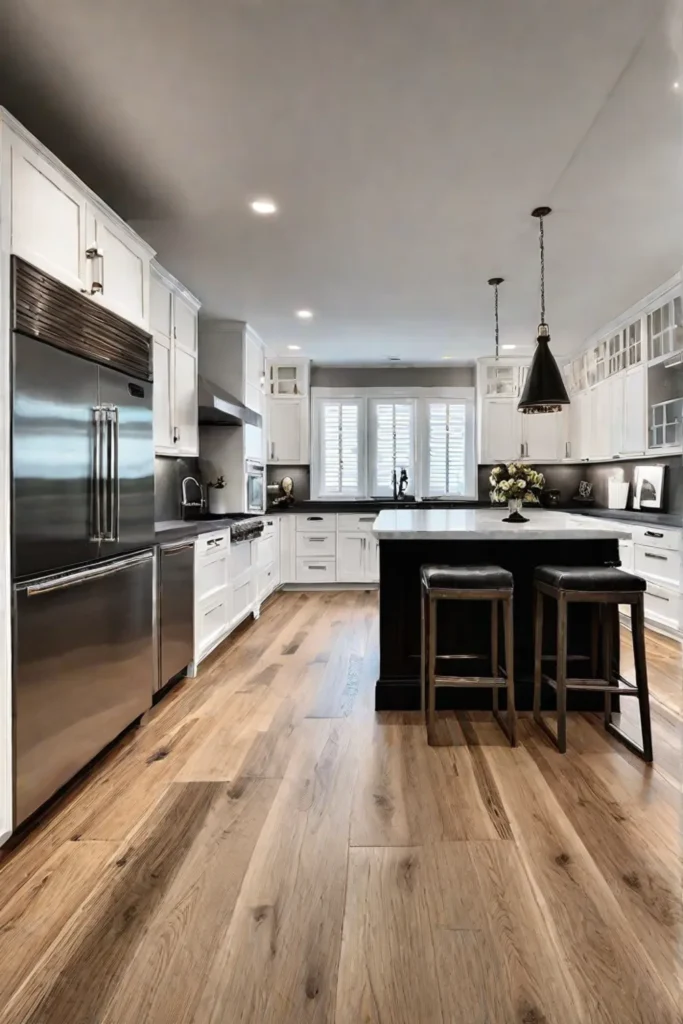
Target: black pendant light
(544, 390)
(495, 281)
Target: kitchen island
(411, 538)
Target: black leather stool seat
(588, 578)
(466, 577)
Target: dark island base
(464, 626)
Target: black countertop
(179, 529)
(303, 507)
(625, 515)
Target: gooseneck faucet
(192, 504)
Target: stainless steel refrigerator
(82, 531)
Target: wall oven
(255, 473)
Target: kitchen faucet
(400, 484)
(192, 504)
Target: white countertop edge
(487, 524)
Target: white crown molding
(175, 285)
(25, 135)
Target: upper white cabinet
(119, 267)
(544, 436)
(288, 412)
(58, 225)
(288, 430)
(173, 317)
(48, 216)
(501, 430)
(288, 378)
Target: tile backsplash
(301, 475)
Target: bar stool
(468, 583)
(605, 588)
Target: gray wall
(169, 473)
(393, 376)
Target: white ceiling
(406, 143)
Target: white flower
(505, 485)
(522, 484)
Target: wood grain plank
(611, 972)
(166, 978)
(33, 918)
(409, 793)
(643, 875)
(388, 969)
(80, 974)
(278, 962)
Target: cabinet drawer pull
(314, 519)
(318, 540)
(322, 568)
(367, 519)
(658, 597)
(653, 533)
(661, 558)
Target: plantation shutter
(394, 443)
(340, 456)
(447, 424)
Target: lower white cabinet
(357, 558)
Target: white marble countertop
(487, 523)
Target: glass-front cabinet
(665, 402)
(633, 348)
(665, 329)
(288, 379)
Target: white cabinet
(60, 226)
(600, 439)
(173, 317)
(47, 217)
(288, 431)
(119, 265)
(288, 378)
(634, 435)
(501, 430)
(351, 557)
(544, 436)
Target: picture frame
(648, 487)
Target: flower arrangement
(516, 481)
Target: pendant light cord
(495, 306)
(542, 245)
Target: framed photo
(648, 487)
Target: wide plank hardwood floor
(265, 848)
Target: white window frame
(421, 398)
(470, 446)
(318, 403)
(413, 473)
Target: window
(360, 436)
(447, 456)
(339, 464)
(392, 444)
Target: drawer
(657, 537)
(663, 606)
(270, 526)
(324, 521)
(213, 617)
(316, 570)
(208, 543)
(360, 522)
(211, 574)
(659, 563)
(316, 544)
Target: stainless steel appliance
(82, 531)
(246, 528)
(255, 473)
(176, 609)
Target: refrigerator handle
(73, 579)
(98, 474)
(111, 478)
(115, 480)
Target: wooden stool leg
(640, 661)
(431, 670)
(495, 667)
(561, 674)
(538, 652)
(607, 655)
(595, 639)
(510, 669)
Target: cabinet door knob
(176, 435)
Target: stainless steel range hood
(218, 408)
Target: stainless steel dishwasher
(176, 609)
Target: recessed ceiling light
(677, 85)
(447, 357)
(508, 346)
(304, 314)
(294, 348)
(264, 207)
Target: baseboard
(330, 586)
